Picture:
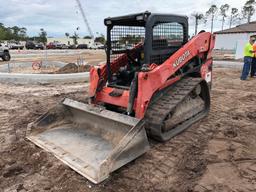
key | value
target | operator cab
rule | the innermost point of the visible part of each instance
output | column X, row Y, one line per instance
column 138, row 40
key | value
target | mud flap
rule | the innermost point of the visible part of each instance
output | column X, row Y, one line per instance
column 91, row 140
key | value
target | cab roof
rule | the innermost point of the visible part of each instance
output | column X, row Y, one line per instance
column 138, row 19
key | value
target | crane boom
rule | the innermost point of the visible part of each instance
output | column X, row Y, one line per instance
column 85, row 19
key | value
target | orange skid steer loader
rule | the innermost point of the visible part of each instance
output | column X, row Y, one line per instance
column 155, row 83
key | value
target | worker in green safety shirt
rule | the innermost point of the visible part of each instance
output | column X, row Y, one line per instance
column 248, row 56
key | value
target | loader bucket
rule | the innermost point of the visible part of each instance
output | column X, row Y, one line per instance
column 91, row 140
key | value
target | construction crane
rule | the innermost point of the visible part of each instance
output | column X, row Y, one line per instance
column 85, row 19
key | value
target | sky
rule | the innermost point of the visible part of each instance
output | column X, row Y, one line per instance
column 60, row 16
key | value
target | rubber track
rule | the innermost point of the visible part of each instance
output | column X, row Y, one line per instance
column 161, row 109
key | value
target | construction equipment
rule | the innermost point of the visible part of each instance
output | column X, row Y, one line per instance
column 155, row 83
column 85, row 19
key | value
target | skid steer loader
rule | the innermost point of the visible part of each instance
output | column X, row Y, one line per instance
column 155, row 83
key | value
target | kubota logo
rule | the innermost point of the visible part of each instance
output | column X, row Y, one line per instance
column 181, row 59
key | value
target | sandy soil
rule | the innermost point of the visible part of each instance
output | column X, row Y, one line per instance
column 216, row 154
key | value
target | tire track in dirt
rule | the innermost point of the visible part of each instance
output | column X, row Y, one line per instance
column 172, row 166
column 233, row 142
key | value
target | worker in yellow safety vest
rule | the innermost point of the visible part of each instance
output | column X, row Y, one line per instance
column 248, row 56
column 253, row 66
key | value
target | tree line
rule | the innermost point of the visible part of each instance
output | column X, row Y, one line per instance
column 225, row 12
column 20, row 34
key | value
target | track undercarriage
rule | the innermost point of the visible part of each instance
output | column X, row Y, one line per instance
column 177, row 108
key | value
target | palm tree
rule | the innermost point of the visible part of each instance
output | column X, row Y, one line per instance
column 234, row 14
column 67, row 35
column 223, row 12
column 212, row 13
column 43, row 36
column 198, row 17
column 75, row 37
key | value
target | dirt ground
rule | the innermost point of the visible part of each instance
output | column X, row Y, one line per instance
column 216, row 154
column 73, row 68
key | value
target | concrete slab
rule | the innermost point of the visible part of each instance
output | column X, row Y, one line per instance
column 17, row 78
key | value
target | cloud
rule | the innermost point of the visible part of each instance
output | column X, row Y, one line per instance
column 58, row 17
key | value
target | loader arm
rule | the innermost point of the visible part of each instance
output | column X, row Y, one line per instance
column 164, row 75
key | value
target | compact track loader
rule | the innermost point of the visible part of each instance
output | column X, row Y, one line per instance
column 155, row 83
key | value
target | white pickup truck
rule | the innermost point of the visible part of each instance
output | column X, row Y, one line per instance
column 4, row 53
column 95, row 45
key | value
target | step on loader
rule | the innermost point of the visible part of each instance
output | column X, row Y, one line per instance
column 155, row 83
